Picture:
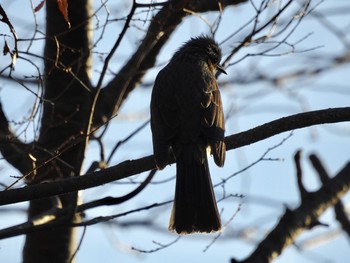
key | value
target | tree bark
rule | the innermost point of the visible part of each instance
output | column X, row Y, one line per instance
column 66, row 107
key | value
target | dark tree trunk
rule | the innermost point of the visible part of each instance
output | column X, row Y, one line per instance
column 66, row 109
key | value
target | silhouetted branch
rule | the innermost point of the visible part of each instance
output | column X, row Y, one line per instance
column 121, row 142
column 57, row 214
column 289, row 123
column 339, row 209
column 50, row 218
column 117, row 200
column 13, row 150
column 132, row 167
column 14, row 52
column 159, row 246
column 259, row 27
column 294, row 222
column 100, row 219
column 299, row 174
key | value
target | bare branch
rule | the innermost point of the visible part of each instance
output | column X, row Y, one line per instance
column 132, row 167
column 13, row 150
column 339, row 209
column 299, row 174
column 13, row 53
column 100, row 219
column 121, row 142
column 52, row 217
column 294, row 222
column 117, row 200
column 289, row 123
column 256, row 30
column 159, row 246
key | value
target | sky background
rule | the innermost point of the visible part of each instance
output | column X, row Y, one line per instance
column 268, row 186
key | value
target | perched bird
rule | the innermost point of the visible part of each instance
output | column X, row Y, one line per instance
column 187, row 119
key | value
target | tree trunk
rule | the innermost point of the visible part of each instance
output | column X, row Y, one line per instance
column 66, row 109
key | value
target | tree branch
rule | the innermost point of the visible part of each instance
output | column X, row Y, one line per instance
column 294, row 222
column 299, row 173
column 339, row 209
column 117, row 200
column 289, row 123
column 13, row 150
column 57, row 214
column 132, row 167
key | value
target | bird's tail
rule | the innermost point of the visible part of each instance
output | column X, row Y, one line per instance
column 194, row 208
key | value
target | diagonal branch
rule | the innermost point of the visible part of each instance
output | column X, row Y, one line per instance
column 12, row 149
column 294, row 222
column 339, row 209
column 57, row 214
column 13, row 53
column 289, row 123
column 132, row 167
column 158, row 33
column 117, row 200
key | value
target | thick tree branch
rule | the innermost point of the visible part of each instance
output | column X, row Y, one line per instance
column 13, row 150
column 57, row 215
column 289, row 123
column 339, row 209
column 296, row 221
column 132, row 167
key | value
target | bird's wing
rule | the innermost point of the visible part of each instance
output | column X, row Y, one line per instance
column 213, row 123
column 164, row 118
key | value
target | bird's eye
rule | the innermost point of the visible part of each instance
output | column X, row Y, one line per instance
column 213, row 55
column 214, row 59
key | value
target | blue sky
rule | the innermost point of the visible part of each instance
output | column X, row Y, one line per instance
column 268, row 186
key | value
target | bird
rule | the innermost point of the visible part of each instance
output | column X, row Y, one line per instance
column 187, row 124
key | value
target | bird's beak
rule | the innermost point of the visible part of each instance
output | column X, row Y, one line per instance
column 221, row 69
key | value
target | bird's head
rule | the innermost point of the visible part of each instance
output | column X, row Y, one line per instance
column 203, row 48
